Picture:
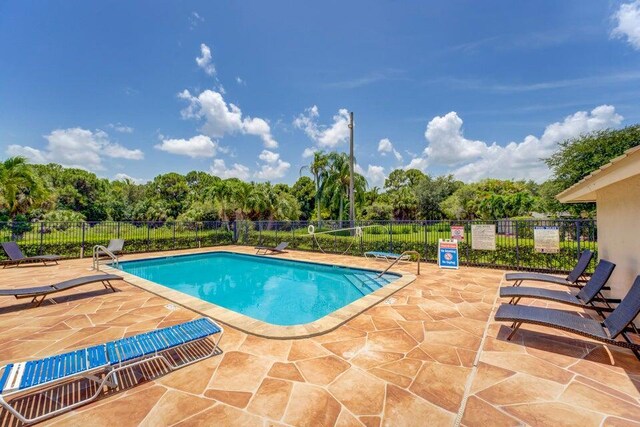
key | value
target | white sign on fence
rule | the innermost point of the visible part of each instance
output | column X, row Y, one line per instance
column 546, row 240
column 483, row 237
column 457, row 232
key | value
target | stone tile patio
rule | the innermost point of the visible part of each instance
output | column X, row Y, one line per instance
column 428, row 355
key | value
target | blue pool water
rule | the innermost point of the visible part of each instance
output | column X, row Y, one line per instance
column 273, row 290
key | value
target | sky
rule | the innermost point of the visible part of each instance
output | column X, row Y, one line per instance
column 251, row 89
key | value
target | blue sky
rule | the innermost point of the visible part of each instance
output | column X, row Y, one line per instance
column 247, row 89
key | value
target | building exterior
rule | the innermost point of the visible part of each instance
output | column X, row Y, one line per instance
column 615, row 188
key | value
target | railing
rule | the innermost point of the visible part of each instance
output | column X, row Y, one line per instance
column 400, row 259
column 97, row 250
column 514, row 238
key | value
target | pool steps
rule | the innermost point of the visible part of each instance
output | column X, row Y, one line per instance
column 366, row 282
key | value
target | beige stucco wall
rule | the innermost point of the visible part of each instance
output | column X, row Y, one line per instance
column 618, row 208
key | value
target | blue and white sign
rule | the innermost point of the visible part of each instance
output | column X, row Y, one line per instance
column 448, row 253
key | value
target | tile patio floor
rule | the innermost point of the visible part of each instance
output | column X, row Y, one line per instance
column 410, row 361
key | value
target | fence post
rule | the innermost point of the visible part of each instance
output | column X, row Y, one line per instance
column 148, row 237
column 578, row 232
column 41, row 237
column 118, row 228
column 426, row 238
column 517, row 247
column 174, row 235
column 390, row 236
column 83, row 242
column 197, row 237
column 235, row 232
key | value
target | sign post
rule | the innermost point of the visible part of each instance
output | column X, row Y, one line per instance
column 448, row 253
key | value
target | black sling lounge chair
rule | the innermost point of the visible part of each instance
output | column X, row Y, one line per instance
column 573, row 279
column 17, row 257
column 280, row 249
column 618, row 323
column 586, row 298
column 39, row 293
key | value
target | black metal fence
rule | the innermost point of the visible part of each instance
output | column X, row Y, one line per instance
column 514, row 243
column 76, row 239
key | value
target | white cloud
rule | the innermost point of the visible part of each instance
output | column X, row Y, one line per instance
column 206, row 61
column 309, row 152
column 240, row 81
column 386, row 146
column 194, row 20
column 197, row 146
column 221, row 118
column 124, row 176
column 375, row 175
column 119, row 127
column 77, row 147
column 273, row 167
column 419, row 163
column 259, row 127
column 33, row 154
column 628, row 23
column 474, row 160
column 219, row 168
column 447, row 145
column 275, row 170
column 325, row 136
column 269, row 156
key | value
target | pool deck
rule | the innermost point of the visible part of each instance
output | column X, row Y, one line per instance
column 430, row 354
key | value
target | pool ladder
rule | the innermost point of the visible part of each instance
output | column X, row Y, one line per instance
column 97, row 251
column 399, row 259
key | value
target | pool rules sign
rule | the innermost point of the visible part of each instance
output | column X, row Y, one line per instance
column 546, row 240
column 447, row 253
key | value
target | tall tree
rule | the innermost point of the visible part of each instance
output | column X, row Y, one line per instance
column 578, row 157
column 305, row 192
column 431, row 192
column 335, row 187
column 20, row 187
column 318, row 168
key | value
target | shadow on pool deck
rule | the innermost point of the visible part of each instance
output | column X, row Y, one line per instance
column 410, row 362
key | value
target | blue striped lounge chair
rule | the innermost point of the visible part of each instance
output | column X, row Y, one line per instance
column 387, row 256
column 100, row 364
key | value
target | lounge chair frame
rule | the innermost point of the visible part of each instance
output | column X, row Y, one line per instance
column 109, row 370
column 24, row 259
column 576, row 278
column 264, row 250
column 618, row 323
column 589, row 297
column 40, row 293
column 387, row 256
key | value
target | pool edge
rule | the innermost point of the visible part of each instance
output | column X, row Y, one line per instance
column 263, row 329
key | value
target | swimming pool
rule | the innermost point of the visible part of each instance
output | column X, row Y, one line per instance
column 277, row 291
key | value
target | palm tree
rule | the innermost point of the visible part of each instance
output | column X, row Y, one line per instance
column 336, row 183
column 20, row 187
column 318, row 169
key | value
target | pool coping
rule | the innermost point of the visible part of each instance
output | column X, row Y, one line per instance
column 260, row 328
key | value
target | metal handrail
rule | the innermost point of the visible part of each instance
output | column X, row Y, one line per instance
column 96, row 256
column 399, row 259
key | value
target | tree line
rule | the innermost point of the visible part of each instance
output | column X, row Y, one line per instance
column 51, row 192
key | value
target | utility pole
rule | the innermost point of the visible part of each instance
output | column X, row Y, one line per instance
column 352, row 205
